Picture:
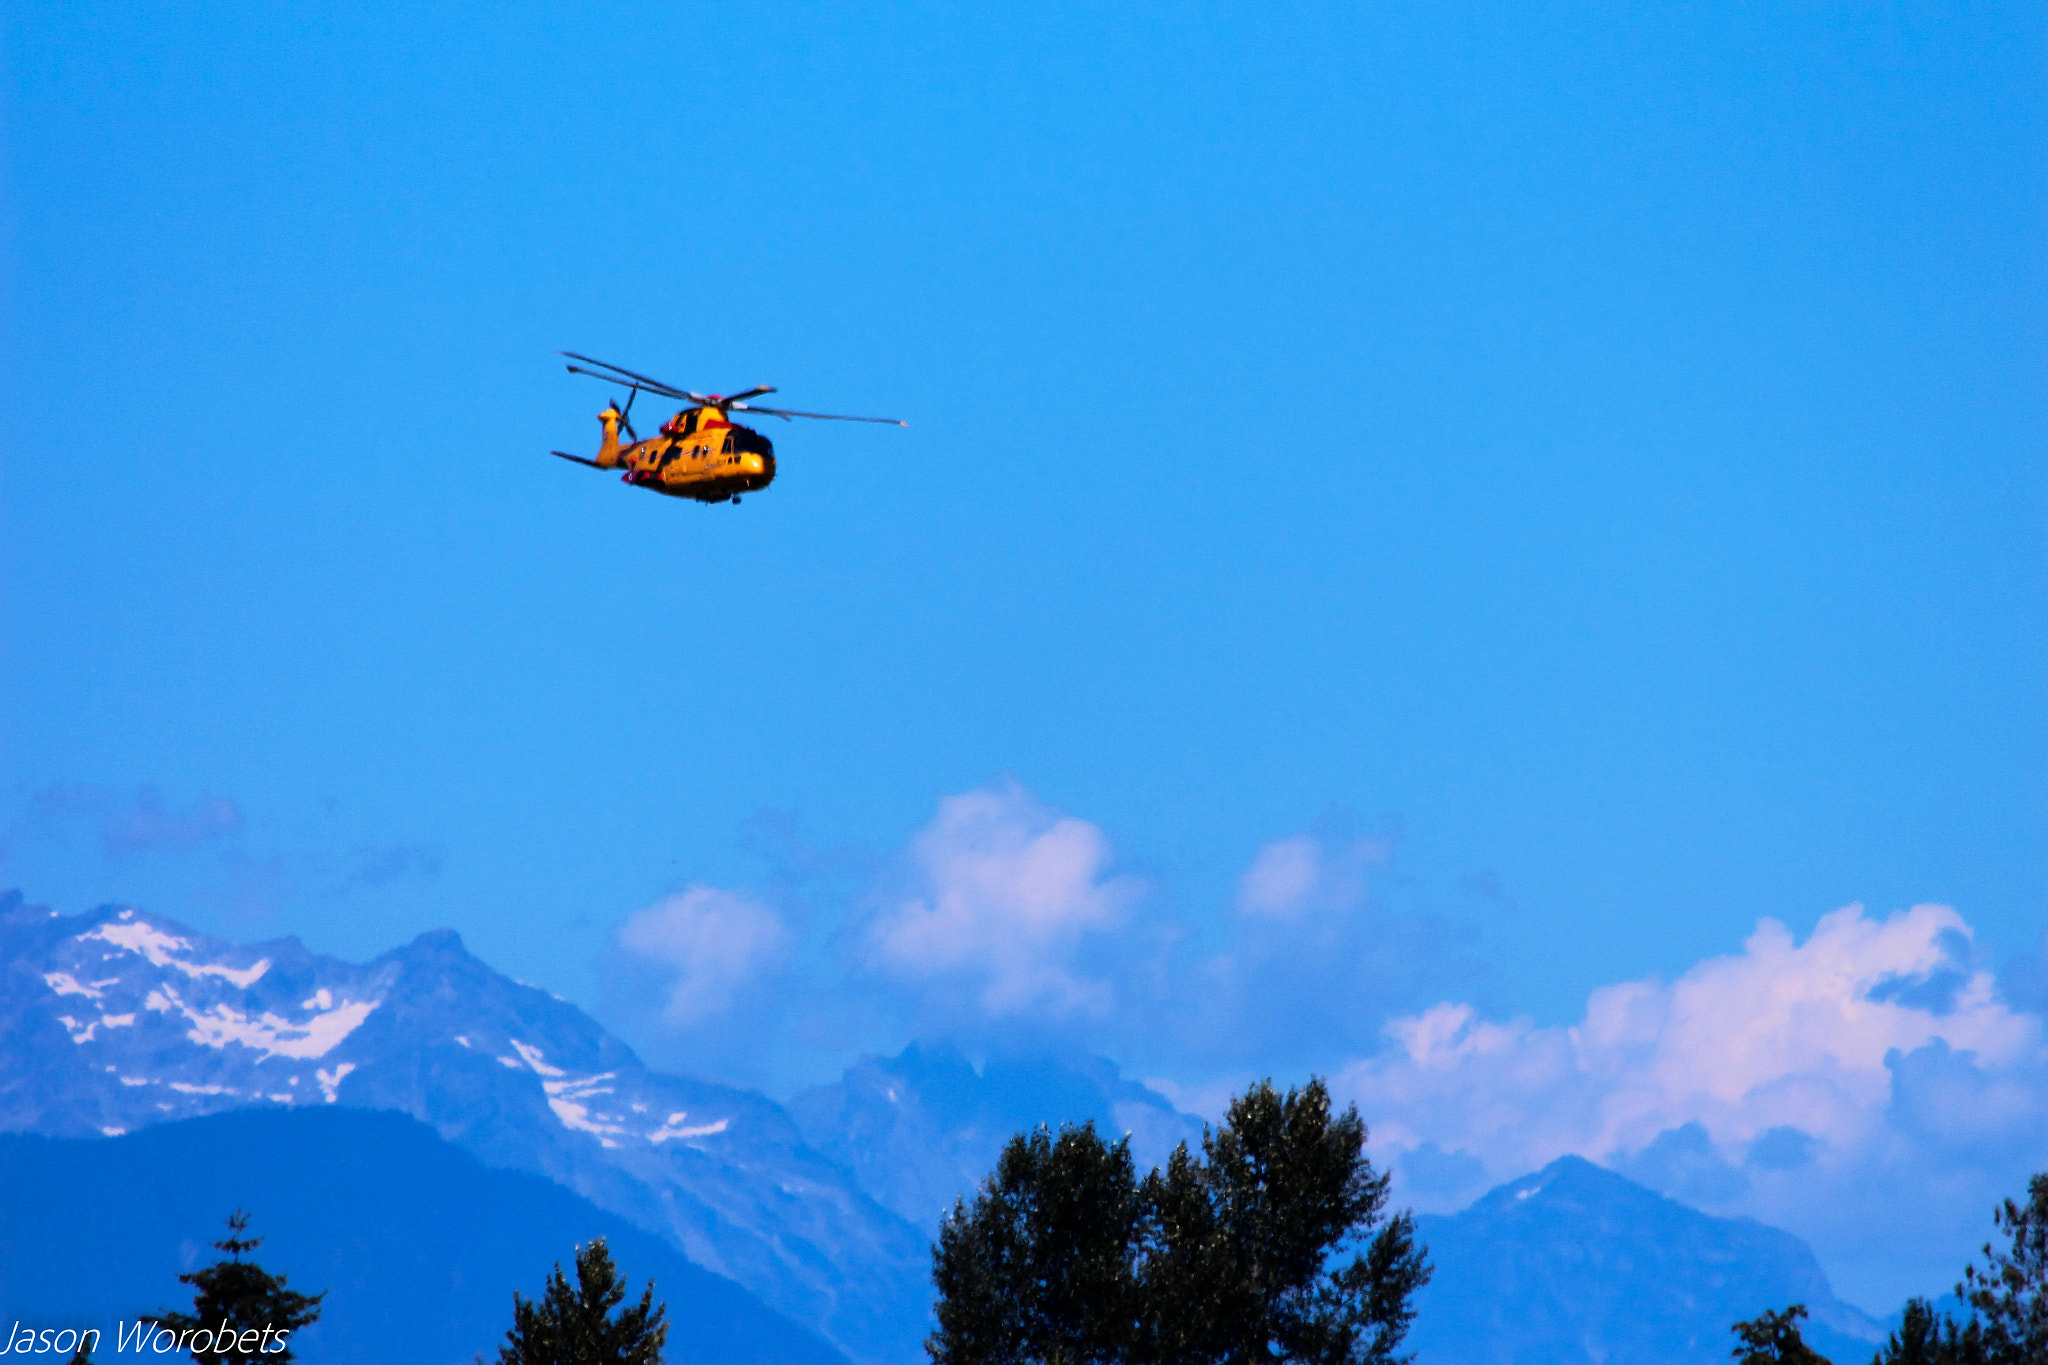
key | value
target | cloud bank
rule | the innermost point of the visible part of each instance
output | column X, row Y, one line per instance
column 1782, row 1035
column 1873, row 1088
column 1869, row 1089
column 1006, row 925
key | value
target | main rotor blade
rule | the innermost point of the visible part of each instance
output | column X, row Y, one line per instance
column 647, row 384
column 577, row 458
column 619, row 373
column 621, row 369
column 786, row 413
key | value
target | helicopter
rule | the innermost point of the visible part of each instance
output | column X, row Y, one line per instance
column 701, row 453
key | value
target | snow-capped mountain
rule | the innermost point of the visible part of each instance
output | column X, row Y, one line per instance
column 117, row 1019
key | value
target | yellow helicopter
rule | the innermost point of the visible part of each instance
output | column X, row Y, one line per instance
column 701, row 453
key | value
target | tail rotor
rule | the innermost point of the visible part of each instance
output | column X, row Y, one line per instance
column 626, row 414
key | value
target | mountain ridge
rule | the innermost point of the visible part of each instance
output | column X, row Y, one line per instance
column 116, row 1019
column 1579, row 1265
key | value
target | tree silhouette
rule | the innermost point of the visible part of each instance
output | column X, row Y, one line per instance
column 1924, row 1339
column 2009, row 1296
column 573, row 1324
column 240, row 1312
column 1272, row 1246
column 1772, row 1338
column 1043, row 1267
column 1268, row 1246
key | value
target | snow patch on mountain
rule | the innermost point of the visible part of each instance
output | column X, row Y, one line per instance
column 572, row 1101
column 330, row 1081
column 674, row 1127
column 138, row 936
column 221, row 1024
column 63, row 983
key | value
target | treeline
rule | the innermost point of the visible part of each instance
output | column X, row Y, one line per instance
column 243, row 1314
column 1271, row 1247
column 1271, row 1244
column 2005, row 1300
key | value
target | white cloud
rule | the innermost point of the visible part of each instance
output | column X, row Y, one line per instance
column 1787, row 1081
column 1010, row 891
column 1783, row 1034
column 1301, row 874
column 707, row 943
column 1281, row 877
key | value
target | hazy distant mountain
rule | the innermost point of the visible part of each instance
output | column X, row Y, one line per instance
column 923, row 1128
column 418, row 1245
column 1573, row 1265
column 118, row 1019
column 1576, row 1265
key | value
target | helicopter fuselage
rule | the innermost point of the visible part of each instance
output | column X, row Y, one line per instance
column 699, row 455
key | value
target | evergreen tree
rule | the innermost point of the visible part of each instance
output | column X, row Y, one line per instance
column 1268, row 1247
column 1265, row 1250
column 573, row 1325
column 1772, row 1338
column 1918, row 1340
column 1923, row 1339
column 2008, row 1300
column 2009, row 1297
column 240, row 1311
column 1042, row 1266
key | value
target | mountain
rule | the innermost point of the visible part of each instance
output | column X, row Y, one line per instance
column 1576, row 1265
column 418, row 1245
column 115, row 1020
column 923, row 1128
column 117, row 1028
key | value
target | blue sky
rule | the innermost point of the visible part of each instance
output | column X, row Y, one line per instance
column 1580, row 464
